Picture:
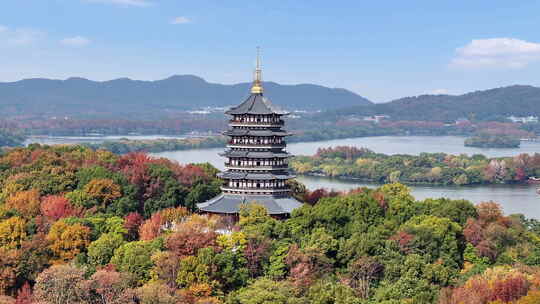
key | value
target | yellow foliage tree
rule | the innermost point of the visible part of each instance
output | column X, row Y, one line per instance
column 26, row 202
column 533, row 297
column 12, row 232
column 67, row 241
column 103, row 190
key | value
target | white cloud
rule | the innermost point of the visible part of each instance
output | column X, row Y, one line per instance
column 3, row 28
column 439, row 92
column 77, row 41
column 124, row 2
column 497, row 53
column 180, row 20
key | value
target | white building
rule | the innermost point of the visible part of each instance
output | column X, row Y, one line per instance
column 524, row 119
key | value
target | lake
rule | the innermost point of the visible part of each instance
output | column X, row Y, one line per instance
column 59, row 140
column 513, row 198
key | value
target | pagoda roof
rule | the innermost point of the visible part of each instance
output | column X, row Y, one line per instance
column 253, row 176
column 251, row 154
column 231, row 203
column 243, row 132
column 257, row 104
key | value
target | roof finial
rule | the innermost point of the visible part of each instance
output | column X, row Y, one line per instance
column 257, row 82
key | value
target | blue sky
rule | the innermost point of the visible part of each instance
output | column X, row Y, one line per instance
column 379, row 49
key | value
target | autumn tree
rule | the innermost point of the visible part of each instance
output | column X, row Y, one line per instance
column 362, row 275
column 67, row 241
column 9, row 266
column 12, row 232
column 56, row 207
column 26, row 202
column 132, row 222
column 103, row 190
column 61, row 284
column 24, row 295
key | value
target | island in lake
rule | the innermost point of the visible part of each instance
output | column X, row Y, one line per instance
column 427, row 168
column 485, row 140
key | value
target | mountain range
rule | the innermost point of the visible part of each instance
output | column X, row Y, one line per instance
column 135, row 98
column 493, row 104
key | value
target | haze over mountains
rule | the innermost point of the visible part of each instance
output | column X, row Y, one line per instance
column 135, row 99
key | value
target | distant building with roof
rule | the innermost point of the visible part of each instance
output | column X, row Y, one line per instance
column 256, row 169
column 524, row 119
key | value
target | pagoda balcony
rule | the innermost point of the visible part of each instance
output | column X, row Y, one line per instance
column 231, row 144
column 256, row 167
column 271, row 124
column 254, row 190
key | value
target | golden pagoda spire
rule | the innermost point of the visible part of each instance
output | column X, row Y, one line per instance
column 257, row 82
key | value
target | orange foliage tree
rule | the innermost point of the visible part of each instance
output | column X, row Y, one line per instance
column 67, row 241
column 26, row 202
column 103, row 190
column 501, row 283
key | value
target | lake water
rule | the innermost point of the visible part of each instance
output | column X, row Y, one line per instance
column 513, row 198
column 57, row 140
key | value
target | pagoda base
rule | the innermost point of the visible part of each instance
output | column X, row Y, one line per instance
column 231, row 203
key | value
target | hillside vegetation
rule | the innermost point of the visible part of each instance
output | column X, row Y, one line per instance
column 83, row 226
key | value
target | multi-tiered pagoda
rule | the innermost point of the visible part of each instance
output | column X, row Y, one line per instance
column 256, row 169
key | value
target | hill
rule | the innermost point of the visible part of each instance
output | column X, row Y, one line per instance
column 493, row 104
column 125, row 97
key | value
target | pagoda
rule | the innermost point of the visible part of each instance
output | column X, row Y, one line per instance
column 256, row 170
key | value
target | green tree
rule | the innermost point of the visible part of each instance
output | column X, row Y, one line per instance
column 102, row 250
column 136, row 258
column 266, row 291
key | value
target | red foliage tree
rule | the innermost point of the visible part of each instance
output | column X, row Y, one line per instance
column 473, row 231
column 509, row 289
column 151, row 228
column 306, row 267
column 24, row 296
column 403, row 239
column 56, row 207
column 189, row 241
column 132, row 222
column 256, row 251
column 489, row 211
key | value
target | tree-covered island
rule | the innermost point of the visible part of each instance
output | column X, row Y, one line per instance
column 426, row 168
column 485, row 140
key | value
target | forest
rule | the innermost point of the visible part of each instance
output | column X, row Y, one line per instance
column 426, row 168
column 88, row 226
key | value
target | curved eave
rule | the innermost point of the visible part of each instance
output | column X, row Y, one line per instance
column 254, row 176
column 250, row 154
column 256, row 104
column 231, row 203
column 262, row 133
